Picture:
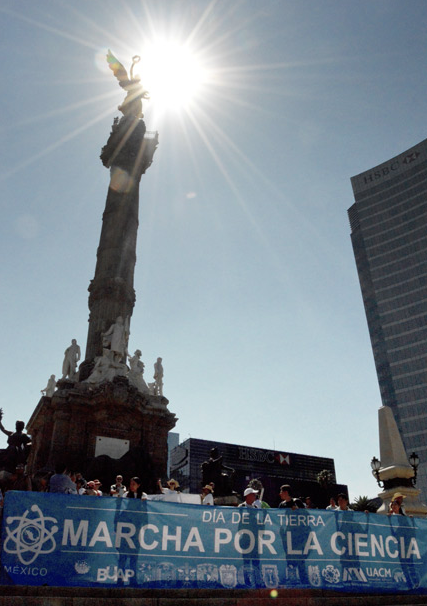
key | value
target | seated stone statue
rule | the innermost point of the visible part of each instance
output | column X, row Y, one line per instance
column 19, row 444
column 50, row 387
column 106, row 368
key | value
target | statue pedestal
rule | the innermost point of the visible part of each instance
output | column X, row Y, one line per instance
column 395, row 472
column 67, row 427
column 411, row 504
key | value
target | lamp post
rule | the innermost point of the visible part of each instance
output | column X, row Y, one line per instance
column 414, row 460
column 376, row 465
column 393, row 470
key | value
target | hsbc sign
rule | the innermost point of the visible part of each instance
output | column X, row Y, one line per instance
column 394, row 166
column 263, row 456
column 283, row 459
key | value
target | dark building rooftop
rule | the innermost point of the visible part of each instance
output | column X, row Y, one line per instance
column 273, row 468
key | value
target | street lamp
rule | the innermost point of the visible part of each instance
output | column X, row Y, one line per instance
column 376, row 464
column 414, row 460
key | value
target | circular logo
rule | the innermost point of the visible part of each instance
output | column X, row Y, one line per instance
column 30, row 535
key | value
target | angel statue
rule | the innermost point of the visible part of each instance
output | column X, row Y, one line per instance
column 132, row 105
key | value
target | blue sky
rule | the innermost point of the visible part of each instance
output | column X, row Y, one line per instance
column 245, row 280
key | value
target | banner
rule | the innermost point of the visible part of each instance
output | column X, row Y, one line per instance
column 68, row 540
column 176, row 497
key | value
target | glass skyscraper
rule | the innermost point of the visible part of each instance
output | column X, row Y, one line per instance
column 389, row 236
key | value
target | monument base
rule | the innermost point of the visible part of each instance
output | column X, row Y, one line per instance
column 80, row 420
column 396, row 472
column 412, row 503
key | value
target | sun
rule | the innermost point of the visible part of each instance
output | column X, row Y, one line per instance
column 172, row 73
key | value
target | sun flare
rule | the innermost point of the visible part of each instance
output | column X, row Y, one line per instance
column 172, row 74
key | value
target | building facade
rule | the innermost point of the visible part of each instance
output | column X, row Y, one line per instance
column 272, row 468
column 389, row 236
column 173, row 442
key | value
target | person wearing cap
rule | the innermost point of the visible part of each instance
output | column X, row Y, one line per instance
column 207, row 496
column 250, row 495
column 92, row 488
column 172, row 486
column 398, row 498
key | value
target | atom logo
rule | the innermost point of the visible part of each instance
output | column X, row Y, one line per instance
column 30, row 537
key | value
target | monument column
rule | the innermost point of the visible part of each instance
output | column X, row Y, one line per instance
column 128, row 154
column 92, row 417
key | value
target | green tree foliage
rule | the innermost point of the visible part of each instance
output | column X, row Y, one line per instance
column 325, row 478
column 363, row 503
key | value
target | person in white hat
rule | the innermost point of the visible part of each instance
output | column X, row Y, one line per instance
column 398, row 498
column 172, row 486
column 207, row 495
column 250, row 495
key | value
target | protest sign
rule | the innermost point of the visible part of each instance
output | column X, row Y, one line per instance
column 67, row 540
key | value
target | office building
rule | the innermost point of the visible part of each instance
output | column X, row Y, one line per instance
column 173, row 442
column 389, row 235
column 272, row 468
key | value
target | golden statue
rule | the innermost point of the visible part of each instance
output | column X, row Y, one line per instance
column 132, row 105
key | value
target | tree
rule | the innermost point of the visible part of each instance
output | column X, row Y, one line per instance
column 325, row 478
column 363, row 503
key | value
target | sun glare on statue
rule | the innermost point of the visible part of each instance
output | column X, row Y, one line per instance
column 172, row 75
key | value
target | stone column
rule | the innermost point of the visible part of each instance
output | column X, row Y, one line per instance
column 111, row 291
column 128, row 153
column 395, row 471
column 59, row 449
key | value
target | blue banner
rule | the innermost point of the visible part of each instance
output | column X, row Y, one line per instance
column 67, row 540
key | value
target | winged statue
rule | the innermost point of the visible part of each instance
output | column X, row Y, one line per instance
column 132, row 105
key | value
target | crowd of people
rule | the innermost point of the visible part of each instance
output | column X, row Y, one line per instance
column 253, row 499
column 65, row 481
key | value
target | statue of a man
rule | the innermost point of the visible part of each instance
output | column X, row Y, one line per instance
column 116, row 338
column 135, row 374
column 72, row 356
column 19, row 444
column 158, row 377
column 50, row 387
